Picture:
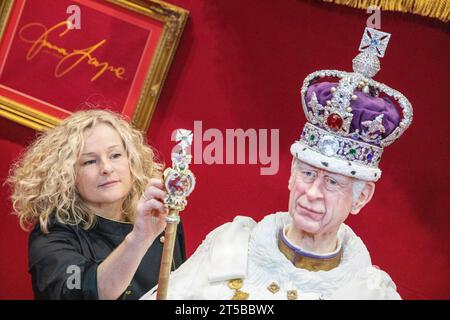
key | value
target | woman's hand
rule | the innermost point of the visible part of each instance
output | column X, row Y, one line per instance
column 149, row 223
column 150, row 212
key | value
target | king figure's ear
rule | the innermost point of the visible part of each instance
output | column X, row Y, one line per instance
column 364, row 197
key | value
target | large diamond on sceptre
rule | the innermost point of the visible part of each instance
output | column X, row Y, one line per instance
column 179, row 182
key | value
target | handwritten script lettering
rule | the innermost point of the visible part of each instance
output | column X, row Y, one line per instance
column 70, row 58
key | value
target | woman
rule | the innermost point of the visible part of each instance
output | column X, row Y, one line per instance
column 93, row 192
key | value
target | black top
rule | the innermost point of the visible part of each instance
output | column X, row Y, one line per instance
column 56, row 259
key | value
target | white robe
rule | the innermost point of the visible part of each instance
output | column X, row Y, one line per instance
column 248, row 250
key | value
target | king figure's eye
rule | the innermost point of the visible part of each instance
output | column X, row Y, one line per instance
column 332, row 181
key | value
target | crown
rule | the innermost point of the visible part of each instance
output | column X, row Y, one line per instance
column 353, row 118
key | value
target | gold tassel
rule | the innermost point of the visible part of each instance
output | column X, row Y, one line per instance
column 439, row 9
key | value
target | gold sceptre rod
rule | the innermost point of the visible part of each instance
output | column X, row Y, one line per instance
column 179, row 182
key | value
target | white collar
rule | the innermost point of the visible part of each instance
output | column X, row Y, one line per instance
column 338, row 247
column 267, row 264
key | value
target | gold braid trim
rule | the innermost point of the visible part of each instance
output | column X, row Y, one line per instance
column 439, row 9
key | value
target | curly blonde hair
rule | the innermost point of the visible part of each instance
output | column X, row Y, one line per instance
column 43, row 179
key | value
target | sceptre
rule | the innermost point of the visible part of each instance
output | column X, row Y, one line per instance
column 179, row 182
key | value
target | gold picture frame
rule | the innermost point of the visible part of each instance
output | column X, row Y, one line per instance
column 40, row 116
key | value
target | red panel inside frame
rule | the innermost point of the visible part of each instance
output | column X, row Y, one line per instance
column 53, row 69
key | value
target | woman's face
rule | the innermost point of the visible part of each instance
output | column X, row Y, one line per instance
column 103, row 177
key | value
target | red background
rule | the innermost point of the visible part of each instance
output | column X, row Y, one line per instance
column 240, row 64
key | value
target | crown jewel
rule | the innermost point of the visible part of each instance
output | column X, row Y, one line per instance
column 355, row 117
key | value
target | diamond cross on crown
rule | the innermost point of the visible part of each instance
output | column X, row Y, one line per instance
column 375, row 41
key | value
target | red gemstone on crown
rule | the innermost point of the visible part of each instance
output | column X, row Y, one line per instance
column 334, row 121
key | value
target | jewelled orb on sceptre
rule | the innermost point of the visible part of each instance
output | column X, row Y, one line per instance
column 179, row 181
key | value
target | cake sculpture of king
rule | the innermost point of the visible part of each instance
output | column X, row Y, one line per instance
column 309, row 252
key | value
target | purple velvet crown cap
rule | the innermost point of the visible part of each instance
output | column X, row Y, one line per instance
column 364, row 108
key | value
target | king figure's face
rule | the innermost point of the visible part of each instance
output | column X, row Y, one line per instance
column 319, row 200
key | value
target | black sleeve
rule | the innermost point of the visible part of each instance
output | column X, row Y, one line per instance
column 57, row 267
column 179, row 254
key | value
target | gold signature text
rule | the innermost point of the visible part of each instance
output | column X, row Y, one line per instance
column 70, row 58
